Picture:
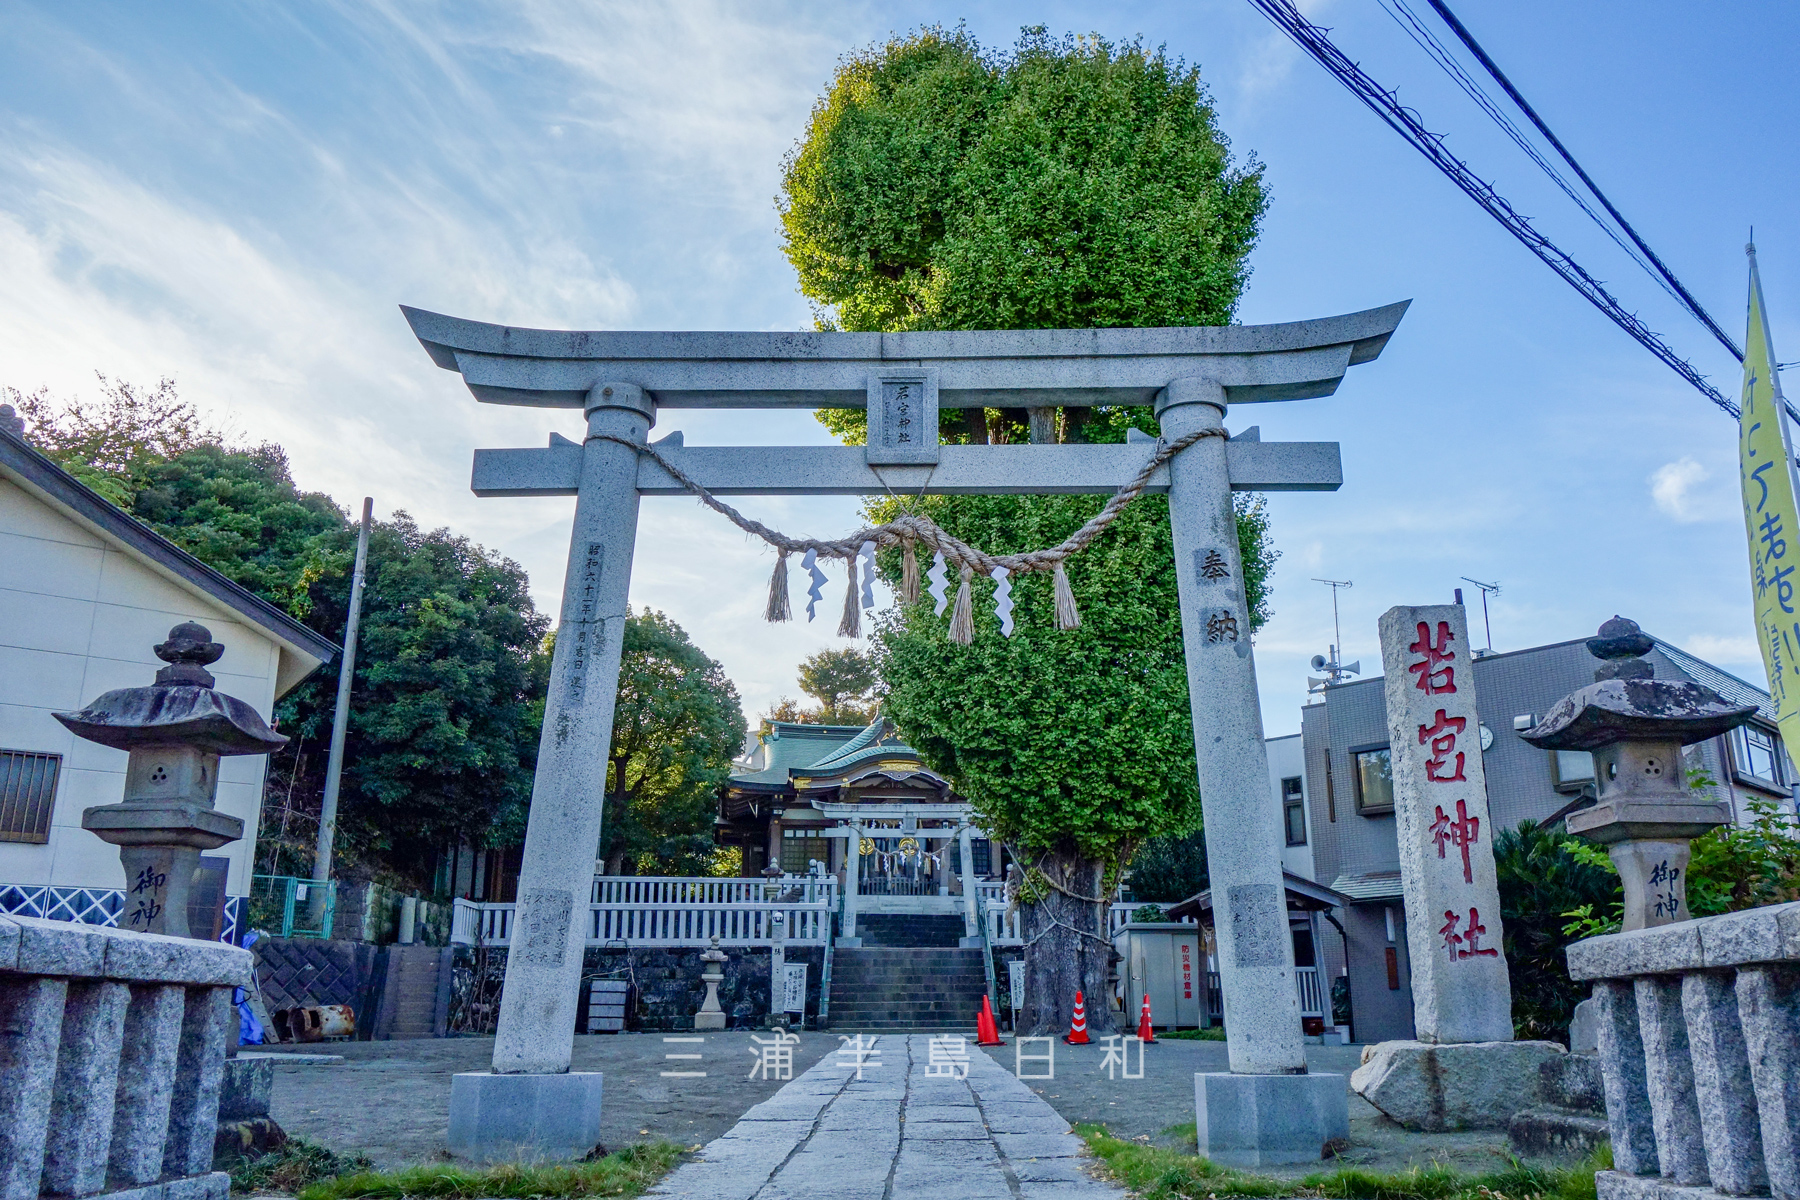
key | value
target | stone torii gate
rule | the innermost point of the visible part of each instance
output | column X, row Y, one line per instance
column 620, row 379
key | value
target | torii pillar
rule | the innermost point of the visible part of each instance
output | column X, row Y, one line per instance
column 1267, row 1109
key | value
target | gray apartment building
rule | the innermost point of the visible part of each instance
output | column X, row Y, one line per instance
column 1349, row 796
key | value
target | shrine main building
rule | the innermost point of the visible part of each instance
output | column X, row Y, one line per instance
column 810, row 799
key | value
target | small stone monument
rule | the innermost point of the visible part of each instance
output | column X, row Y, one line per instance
column 1465, row 1071
column 1636, row 725
column 175, row 731
column 711, row 1016
column 777, row 963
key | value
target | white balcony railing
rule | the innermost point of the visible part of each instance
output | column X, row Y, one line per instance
column 1312, row 997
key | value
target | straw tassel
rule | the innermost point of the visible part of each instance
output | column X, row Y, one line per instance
column 909, row 573
column 1067, row 615
column 851, row 625
column 962, row 616
column 778, row 593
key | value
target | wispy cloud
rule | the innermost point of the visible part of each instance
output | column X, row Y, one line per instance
column 545, row 165
column 1736, row 651
column 1679, row 490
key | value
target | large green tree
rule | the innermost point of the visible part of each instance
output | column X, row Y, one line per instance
column 447, row 702
column 450, row 678
column 1062, row 184
column 677, row 727
column 844, row 684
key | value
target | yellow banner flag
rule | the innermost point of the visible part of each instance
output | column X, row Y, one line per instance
column 1766, row 462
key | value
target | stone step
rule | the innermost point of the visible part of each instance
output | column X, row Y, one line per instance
column 973, row 979
column 413, row 973
column 921, row 930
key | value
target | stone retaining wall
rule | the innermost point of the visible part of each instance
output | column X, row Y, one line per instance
column 370, row 912
column 669, row 989
column 306, row 972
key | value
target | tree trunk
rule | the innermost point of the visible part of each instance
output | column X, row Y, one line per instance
column 978, row 426
column 616, row 805
column 1066, row 949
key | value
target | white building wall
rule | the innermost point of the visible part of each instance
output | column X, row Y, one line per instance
column 1287, row 760
column 78, row 617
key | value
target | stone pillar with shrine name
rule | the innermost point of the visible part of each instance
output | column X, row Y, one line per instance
column 1465, row 1070
column 1460, row 989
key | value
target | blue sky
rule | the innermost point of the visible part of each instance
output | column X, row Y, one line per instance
column 239, row 196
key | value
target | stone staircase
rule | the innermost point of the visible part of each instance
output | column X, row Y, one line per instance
column 412, row 991
column 893, row 930
column 880, row 988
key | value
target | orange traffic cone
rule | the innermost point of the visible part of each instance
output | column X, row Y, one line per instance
column 1077, row 1035
column 987, row 1033
column 1145, row 1033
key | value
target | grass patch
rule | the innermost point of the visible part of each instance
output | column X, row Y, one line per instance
column 1192, row 1035
column 1156, row 1173
column 627, row 1172
column 297, row 1164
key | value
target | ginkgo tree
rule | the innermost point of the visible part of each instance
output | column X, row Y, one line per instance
column 1068, row 183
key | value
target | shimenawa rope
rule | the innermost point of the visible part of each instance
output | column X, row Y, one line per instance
column 911, row 528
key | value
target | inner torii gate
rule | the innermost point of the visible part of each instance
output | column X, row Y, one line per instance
column 620, row 379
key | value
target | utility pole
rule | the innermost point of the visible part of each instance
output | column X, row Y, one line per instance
column 340, row 721
column 1337, row 631
column 1485, row 589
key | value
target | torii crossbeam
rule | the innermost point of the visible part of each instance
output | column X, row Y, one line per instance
column 619, row 379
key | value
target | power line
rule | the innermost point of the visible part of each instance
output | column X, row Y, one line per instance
column 1411, row 25
column 1673, row 285
column 1404, row 121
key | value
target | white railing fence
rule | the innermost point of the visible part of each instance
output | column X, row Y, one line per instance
column 740, row 924
column 744, row 923
column 677, row 889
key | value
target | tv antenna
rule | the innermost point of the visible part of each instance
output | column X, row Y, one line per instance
column 1486, row 588
column 1334, row 669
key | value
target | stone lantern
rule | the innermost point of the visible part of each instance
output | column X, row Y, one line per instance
column 1636, row 725
column 175, row 731
column 711, row 1016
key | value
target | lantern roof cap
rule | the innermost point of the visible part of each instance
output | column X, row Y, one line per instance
column 1627, row 703
column 179, row 709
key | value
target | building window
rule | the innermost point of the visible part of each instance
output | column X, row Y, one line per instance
column 1757, row 758
column 798, row 849
column 1374, row 780
column 1571, row 770
column 27, row 795
column 981, row 852
column 1293, row 809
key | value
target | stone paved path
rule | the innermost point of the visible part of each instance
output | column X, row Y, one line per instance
column 896, row 1132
